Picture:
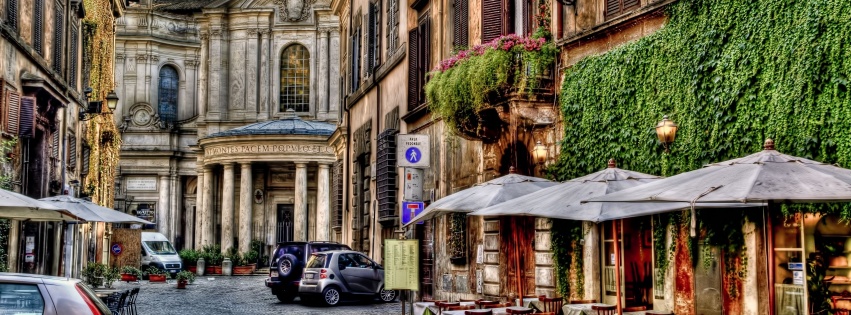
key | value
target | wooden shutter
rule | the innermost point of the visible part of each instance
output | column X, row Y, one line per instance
column 370, row 39
column 460, row 23
column 12, row 13
column 492, row 19
column 376, row 36
column 27, row 117
column 413, row 62
column 13, row 112
column 84, row 168
column 54, row 143
column 614, row 8
column 38, row 27
column 424, row 57
column 73, row 55
column 72, row 151
column 629, row 5
column 58, row 33
column 527, row 17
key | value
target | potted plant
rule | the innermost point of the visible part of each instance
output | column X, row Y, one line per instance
column 156, row 275
column 240, row 265
column 183, row 278
column 213, row 259
column 190, row 259
column 250, row 258
column 110, row 276
column 93, row 274
column 130, row 273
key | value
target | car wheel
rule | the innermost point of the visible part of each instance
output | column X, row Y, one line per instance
column 387, row 295
column 285, row 297
column 331, row 296
column 286, row 265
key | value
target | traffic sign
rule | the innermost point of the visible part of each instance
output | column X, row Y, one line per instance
column 116, row 249
column 412, row 150
column 411, row 209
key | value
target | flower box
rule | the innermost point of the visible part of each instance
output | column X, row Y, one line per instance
column 128, row 277
column 243, row 270
column 213, row 270
column 156, row 278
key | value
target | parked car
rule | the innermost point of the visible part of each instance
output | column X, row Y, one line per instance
column 36, row 294
column 333, row 275
column 287, row 263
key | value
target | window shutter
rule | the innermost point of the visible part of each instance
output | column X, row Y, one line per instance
column 492, row 20
column 84, row 169
column 460, row 22
column 72, row 60
column 376, row 36
column 527, row 17
column 370, row 39
column 38, row 27
column 54, row 143
column 12, row 13
column 72, row 151
column 392, row 26
column 424, row 56
column 27, row 118
column 58, row 32
column 630, row 4
column 13, row 112
column 337, row 194
column 613, row 8
column 413, row 49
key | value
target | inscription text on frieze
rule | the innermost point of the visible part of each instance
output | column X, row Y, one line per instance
column 268, row 148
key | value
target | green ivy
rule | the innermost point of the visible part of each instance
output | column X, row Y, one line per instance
column 6, row 146
column 568, row 257
column 731, row 73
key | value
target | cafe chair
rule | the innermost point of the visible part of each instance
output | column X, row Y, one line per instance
column 604, row 310
column 500, row 305
column 433, row 301
column 441, row 306
column 551, row 304
column 635, row 308
column 545, row 313
column 479, row 312
column 461, row 308
column 485, row 303
column 659, row 312
column 130, row 306
column 581, row 301
column 513, row 311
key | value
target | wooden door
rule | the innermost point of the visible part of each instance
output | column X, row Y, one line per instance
column 517, row 235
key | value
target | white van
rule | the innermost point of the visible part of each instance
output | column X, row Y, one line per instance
column 158, row 252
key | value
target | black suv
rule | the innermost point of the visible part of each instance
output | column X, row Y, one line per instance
column 288, row 262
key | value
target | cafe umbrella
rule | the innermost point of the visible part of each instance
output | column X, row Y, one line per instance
column 485, row 194
column 89, row 211
column 766, row 177
column 20, row 207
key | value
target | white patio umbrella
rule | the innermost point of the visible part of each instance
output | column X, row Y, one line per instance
column 485, row 194
column 89, row 211
column 20, row 207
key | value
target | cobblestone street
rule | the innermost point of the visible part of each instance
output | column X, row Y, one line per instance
column 235, row 295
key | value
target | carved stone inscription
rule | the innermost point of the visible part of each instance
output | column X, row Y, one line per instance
column 269, row 148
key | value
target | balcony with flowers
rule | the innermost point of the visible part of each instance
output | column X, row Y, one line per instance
column 477, row 91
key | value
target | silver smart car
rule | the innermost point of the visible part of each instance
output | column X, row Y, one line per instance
column 331, row 275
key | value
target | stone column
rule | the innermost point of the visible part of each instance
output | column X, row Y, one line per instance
column 202, row 75
column 174, row 207
column 323, row 202
column 245, row 198
column 163, row 206
column 207, row 207
column 300, row 212
column 265, row 96
column 227, row 207
column 324, row 78
column 198, row 214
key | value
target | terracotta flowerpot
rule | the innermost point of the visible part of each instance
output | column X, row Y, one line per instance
column 156, row 278
column 242, row 270
column 253, row 267
column 181, row 284
column 213, row 270
column 128, row 277
column 192, row 269
column 218, row 269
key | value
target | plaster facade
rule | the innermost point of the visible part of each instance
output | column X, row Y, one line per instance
column 208, row 184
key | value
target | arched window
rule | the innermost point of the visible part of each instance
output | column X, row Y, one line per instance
column 295, row 79
column 168, row 94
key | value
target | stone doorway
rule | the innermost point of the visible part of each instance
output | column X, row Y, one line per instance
column 284, row 226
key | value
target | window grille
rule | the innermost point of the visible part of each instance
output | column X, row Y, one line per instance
column 386, row 176
column 295, row 79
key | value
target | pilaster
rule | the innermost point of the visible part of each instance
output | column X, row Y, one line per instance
column 323, row 202
column 300, row 211
column 245, row 198
column 227, row 206
column 206, row 208
column 163, row 206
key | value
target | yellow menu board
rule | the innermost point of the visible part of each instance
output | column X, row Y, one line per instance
column 401, row 264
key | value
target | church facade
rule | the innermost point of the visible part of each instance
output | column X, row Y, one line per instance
column 229, row 118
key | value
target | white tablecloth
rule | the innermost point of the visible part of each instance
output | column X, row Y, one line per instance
column 585, row 309
column 420, row 307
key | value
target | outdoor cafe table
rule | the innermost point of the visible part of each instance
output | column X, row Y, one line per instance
column 420, row 307
column 585, row 309
column 496, row 311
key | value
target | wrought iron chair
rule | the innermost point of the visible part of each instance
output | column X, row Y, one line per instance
column 130, row 306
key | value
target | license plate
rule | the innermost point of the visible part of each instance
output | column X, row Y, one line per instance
column 308, row 276
column 273, row 274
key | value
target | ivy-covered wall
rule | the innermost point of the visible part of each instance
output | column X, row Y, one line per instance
column 731, row 73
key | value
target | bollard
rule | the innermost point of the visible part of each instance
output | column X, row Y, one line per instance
column 227, row 267
column 199, row 267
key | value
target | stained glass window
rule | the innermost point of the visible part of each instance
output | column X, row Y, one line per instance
column 295, row 79
column 168, row 94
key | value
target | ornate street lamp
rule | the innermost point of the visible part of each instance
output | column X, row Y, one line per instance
column 666, row 130
column 111, row 100
column 94, row 108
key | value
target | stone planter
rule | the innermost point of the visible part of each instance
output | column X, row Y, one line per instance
column 156, row 278
column 227, row 267
column 200, row 267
